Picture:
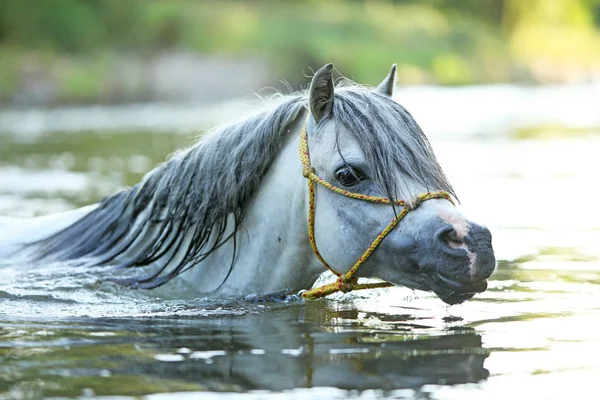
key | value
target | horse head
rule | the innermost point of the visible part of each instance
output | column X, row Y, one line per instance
column 366, row 144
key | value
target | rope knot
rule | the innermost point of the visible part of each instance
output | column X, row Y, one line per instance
column 307, row 171
column 347, row 284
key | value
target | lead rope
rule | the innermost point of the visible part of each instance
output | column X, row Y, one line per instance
column 348, row 282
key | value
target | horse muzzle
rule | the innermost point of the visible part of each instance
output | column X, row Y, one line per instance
column 459, row 263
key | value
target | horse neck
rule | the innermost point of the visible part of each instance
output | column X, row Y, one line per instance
column 273, row 252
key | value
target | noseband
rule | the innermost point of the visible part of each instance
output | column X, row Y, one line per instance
column 348, row 282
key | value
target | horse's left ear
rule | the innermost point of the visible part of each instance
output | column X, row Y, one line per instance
column 387, row 86
column 320, row 97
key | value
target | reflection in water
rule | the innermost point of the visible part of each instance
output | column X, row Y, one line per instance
column 273, row 348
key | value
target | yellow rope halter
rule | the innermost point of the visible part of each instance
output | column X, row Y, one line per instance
column 348, row 282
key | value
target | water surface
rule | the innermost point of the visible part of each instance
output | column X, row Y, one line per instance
column 66, row 333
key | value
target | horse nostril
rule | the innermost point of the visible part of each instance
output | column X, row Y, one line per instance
column 450, row 237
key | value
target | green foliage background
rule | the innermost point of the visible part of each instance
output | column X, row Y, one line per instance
column 434, row 41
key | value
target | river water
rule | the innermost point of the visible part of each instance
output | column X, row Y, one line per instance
column 523, row 161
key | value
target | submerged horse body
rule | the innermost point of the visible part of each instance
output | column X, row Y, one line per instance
column 229, row 214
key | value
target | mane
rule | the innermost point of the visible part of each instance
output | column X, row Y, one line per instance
column 200, row 191
column 194, row 193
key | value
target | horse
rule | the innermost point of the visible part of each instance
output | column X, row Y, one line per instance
column 228, row 214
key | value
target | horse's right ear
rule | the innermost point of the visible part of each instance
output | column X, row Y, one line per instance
column 387, row 86
column 320, row 97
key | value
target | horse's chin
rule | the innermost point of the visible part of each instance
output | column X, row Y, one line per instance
column 455, row 292
column 452, row 297
column 448, row 290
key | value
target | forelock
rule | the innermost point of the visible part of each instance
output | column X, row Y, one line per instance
column 391, row 140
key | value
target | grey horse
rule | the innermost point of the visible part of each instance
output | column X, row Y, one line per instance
column 228, row 215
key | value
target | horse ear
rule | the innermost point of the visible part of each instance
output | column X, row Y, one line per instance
column 387, row 86
column 320, row 97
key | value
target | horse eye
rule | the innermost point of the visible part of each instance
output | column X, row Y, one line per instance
column 348, row 176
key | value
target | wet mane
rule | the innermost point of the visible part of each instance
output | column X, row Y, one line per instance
column 185, row 205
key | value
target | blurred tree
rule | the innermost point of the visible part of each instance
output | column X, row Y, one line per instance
column 552, row 33
column 67, row 25
column 433, row 41
column 490, row 11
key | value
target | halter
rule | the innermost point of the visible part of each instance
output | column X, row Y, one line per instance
column 348, row 282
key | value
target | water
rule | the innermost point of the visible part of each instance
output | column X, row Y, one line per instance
column 533, row 334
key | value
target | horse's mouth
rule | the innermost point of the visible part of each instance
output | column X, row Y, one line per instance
column 449, row 290
column 464, row 287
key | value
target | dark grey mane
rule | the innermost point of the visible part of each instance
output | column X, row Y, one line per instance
column 197, row 192
column 193, row 193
